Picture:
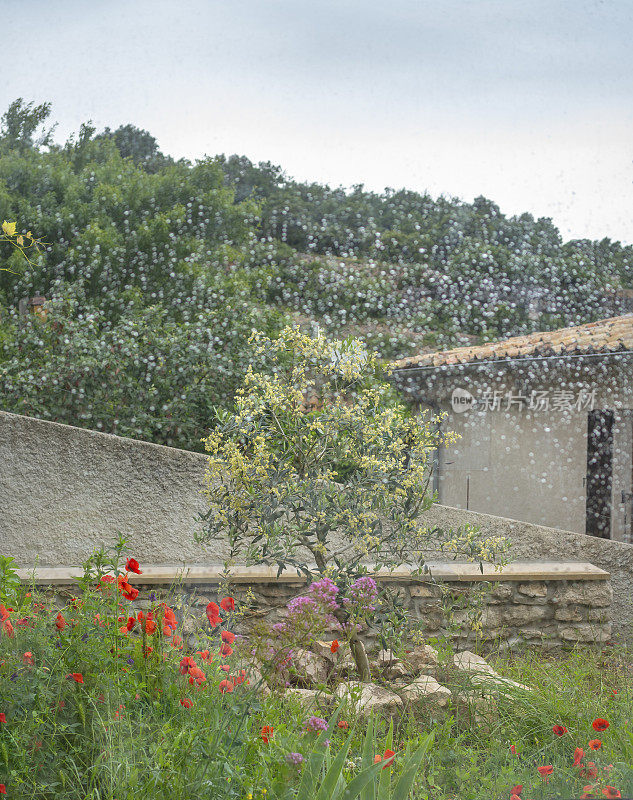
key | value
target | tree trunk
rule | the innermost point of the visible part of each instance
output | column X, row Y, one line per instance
column 356, row 646
column 360, row 657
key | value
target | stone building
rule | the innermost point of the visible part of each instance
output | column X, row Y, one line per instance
column 546, row 426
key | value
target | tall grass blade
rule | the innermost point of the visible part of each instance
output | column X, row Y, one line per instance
column 405, row 782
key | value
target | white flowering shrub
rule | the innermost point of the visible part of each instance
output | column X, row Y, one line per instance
column 214, row 248
column 141, row 375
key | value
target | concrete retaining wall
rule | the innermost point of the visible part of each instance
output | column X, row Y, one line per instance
column 65, row 491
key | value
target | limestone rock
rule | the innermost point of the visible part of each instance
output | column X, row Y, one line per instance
column 256, row 681
column 397, row 671
column 590, row 593
column 426, row 690
column 368, row 697
column 309, row 668
column 324, row 649
column 585, row 632
column 533, row 589
column 422, row 658
column 193, row 623
column 386, row 658
column 425, row 590
column 343, row 661
column 483, row 675
column 466, row 661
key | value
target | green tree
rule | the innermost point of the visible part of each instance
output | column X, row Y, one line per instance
column 20, row 123
column 319, row 469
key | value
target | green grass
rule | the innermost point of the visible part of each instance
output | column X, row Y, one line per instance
column 123, row 733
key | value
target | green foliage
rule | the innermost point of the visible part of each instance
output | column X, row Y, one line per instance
column 319, row 469
column 141, row 375
column 122, row 731
column 226, row 243
column 9, row 580
column 20, row 122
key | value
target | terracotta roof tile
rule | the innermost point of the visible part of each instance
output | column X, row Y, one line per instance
column 609, row 335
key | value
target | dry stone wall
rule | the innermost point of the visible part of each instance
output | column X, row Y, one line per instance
column 536, row 604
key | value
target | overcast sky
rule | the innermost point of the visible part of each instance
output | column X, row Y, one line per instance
column 527, row 102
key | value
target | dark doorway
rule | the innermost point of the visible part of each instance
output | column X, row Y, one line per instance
column 599, row 473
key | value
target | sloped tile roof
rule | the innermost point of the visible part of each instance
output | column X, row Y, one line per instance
column 606, row 335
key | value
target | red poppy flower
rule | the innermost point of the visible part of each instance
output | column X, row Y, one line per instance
column 595, row 744
column 186, row 702
column 169, row 619
column 129, row 592
column 611, row 792
column 27, row 658
column 77, row 677
column 204, row 655
column 590, row 771
column 342, row 724
column 578, row 756
column 133, row 566
column 60, row 622
column 334, row 646
column 150, row 623
column 213, row 612
column 228, row 637
column 267, row 733
column 131, row 622
column 517, row 789
column 599, row 724
column 544, row 771
column 226, row 650
column 387, row 758
column 4, row 613
column 3, row 717
column 225, row 686
column 239, row 679
column 7, row 628
column 559, row 730
column 225, row 668
column 228, row 604
column 513, row 750
column 3, row 788
column 187, row 664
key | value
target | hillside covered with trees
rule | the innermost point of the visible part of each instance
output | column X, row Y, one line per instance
column 156, row 271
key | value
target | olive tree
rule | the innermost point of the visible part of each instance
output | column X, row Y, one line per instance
column 319, row 468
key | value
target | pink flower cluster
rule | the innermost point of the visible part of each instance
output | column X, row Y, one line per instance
column 361, row 597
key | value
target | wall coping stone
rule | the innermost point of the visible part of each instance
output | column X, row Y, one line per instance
column 156, row 574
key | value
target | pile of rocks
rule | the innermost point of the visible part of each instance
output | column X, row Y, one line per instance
column 467, row 685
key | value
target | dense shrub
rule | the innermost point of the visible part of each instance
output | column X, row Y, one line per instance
column 218, row 243
column 142, row 374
